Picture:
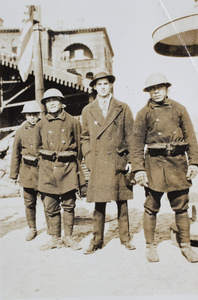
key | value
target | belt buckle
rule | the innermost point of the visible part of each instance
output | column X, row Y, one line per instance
column 168, row 149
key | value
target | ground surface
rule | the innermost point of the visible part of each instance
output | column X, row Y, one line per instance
column 110, row 273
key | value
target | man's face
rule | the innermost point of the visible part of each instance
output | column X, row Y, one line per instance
column 103, row 87
column 158, row 92
column 32, row 118
column 53, row 105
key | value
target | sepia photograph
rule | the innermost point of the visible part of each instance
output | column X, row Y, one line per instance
column 98, row 149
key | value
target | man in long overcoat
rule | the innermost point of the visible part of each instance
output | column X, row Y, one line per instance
column 164, row 126
column 57, row 144
column 106, row 144
column 24, row 164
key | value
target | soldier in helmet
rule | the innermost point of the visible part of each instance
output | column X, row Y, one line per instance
column 164, row 126
column 57, row 144
column 24, row 164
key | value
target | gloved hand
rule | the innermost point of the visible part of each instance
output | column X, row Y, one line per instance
column 192, row 172
column 141, row 178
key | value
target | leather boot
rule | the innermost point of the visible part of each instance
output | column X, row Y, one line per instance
column 183, row 224
column 151, row 253
column 68, row 223
column 55, row 242
column 187, row 251
column 31, row 220
column 149, row 224
column 49, row 231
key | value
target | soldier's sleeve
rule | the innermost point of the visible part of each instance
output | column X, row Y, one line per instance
column 77, row 135
column 16, row 156
column 37, row 139
column 128, row 130
column 138, row 141
column 85, row 136
column 189, row 137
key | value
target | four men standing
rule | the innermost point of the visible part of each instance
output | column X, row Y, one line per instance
column 113, row 145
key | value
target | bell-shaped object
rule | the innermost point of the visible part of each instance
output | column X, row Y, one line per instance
column 178, row 38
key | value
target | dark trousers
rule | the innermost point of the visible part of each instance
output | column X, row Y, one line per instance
column 53, row 204
column 179, row 204
column 99, row 222
column 30, row 200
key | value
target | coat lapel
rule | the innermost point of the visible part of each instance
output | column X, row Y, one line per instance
column 114, row 110
column 96, row 112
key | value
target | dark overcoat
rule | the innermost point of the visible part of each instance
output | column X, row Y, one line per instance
column 167, row 123
column 23, row 145
column 106, row 146
column 58, row 134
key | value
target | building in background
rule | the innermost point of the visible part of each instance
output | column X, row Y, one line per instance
column 70, row 59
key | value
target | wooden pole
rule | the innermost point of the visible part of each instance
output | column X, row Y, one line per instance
column 38, row 59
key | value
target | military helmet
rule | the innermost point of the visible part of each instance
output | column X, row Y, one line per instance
column 52, row 93
column 31, row 107
column 155, row 79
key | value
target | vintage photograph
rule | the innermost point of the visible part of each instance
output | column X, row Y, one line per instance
column 98, row 149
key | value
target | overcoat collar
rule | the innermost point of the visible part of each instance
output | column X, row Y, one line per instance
column 115, row 109
column 154, row 104
column 61, row 117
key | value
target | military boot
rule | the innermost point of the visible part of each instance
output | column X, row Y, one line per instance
column 31, row 220
column 151, row 253
column 31, row 234
column 55, row 242
column 70, row 243
column 189, row 254
column 68, row 223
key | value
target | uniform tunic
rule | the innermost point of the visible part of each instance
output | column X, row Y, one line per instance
column 23, row 145
column 164, row 123
column 58, row 134
column 106, row 146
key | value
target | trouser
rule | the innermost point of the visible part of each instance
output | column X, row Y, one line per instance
column 53, row 204
column 99, row 222
column 179, row 204
column 30, row 199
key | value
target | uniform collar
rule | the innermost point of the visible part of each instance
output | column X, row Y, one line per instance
column 28, row 125
column 153, row 104
column 61, row 117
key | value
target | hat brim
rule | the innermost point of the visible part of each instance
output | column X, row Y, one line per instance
column 44, row 99
column 167, row 84
column 111, row 79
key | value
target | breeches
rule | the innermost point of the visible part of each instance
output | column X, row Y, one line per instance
column 178, row 200
column 53, row 203
column 30, row 197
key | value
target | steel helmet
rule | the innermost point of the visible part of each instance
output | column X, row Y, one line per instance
column 52, row 93
column 31, row 107
column 155, row 79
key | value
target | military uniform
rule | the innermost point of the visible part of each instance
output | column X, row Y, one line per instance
column 164, row 145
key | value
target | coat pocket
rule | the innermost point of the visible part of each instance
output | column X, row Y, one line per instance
column 121, row 160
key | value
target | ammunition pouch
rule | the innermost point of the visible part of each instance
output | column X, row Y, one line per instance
column 66, row 156
column 167, row 149
column 30, row 160
column 62, row 156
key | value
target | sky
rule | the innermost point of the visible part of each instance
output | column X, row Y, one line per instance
column 129, row 24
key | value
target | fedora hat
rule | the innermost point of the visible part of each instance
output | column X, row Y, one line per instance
column 102, row 75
